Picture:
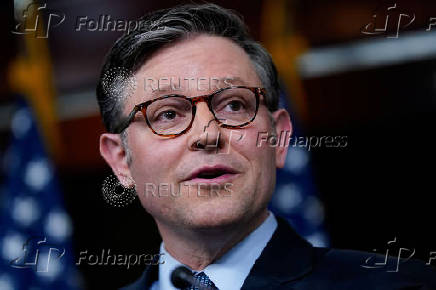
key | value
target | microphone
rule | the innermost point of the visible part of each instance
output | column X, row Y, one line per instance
column 182, row 277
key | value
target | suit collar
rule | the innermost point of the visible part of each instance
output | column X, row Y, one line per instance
column 148, row 277
column 286, row 257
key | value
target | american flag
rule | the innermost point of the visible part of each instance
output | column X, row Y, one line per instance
column 35, row 230
column 296, row 197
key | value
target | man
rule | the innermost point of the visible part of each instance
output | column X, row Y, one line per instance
column 186, row 137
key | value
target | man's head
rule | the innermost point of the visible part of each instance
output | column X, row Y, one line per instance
column 210, row 176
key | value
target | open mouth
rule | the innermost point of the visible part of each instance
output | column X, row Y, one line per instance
column 212, row 174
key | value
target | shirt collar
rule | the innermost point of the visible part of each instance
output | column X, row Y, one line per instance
column 165, row 270
column 230, row 271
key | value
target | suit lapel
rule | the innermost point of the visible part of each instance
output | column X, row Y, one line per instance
column 285, row 258
column 150, row 275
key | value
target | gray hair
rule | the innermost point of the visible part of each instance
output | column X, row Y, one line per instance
column 167, row 26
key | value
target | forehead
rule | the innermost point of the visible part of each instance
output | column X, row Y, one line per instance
column 199, row 57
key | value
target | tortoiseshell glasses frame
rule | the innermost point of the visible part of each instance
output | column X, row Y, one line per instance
column 256, row 93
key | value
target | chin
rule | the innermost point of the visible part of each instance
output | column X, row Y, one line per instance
column 215, row 215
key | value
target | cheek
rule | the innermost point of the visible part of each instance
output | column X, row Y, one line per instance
column 153, row 162
column 260, row 157
column 153, row 159
column 257, row 145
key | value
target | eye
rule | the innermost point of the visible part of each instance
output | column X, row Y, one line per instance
column 167, row 115
column 234, row 106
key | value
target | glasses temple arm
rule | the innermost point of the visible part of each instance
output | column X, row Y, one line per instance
column 126, row 121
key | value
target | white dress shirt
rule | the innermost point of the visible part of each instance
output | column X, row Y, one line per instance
column 230, row 271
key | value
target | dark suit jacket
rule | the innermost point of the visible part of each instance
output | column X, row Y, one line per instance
column 289, row 262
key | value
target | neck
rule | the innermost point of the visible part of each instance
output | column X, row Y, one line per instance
column 198, row 248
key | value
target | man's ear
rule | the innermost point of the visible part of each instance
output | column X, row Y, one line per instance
column 283, row 131
column 112, row 150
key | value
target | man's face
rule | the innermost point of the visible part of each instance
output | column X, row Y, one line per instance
column 171, row 173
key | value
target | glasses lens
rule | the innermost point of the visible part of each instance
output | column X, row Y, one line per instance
column 170, row 115
column 234, row 106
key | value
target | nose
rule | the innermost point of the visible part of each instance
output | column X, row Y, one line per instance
column 205, row 132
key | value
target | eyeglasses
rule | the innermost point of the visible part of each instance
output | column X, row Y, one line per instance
column 173, row 115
